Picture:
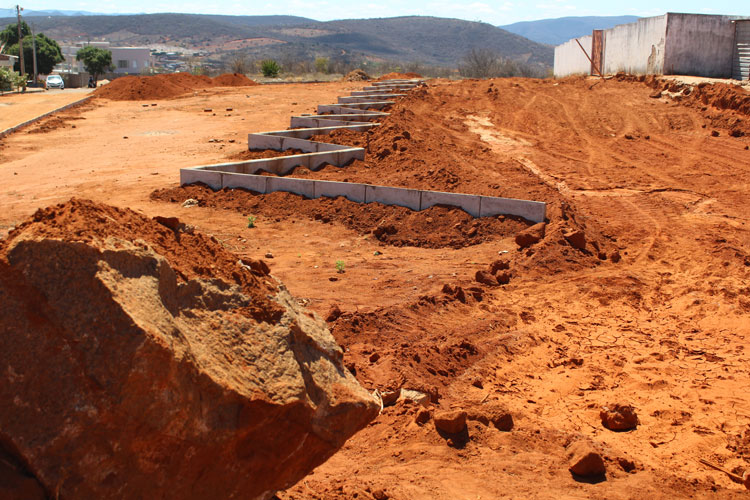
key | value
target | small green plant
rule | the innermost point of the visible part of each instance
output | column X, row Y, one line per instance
column 270, row 68
column 340, row 266
column 251, row 221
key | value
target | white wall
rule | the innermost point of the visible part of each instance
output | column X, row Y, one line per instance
column 699, row 45
column 570, row 59
column 136, row 59
column 636, row 48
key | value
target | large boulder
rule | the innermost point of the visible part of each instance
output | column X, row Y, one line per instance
column 146, row 361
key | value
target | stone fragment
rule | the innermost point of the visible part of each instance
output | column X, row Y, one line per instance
column 334, row 313
column 390, row 397
column 486, row 278
column 451, row 422
column 418, row 397
column 619, row 417
column 493, row 413
column 531, row 235
column 503, row 277
column 585, row 461
column 576, row 238
column 423, row 416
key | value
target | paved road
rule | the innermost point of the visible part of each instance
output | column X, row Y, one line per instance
column 17, row 108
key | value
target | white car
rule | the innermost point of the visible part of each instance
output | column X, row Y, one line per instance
column 54, row 82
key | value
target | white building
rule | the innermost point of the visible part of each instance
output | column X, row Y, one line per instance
column 125, row 60
column 7, row 61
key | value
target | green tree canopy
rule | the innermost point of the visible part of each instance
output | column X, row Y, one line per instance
column 48, row 53
column 95, row 60
column 9, row 35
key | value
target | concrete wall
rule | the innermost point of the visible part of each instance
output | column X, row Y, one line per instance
column 636, row 48
column 570, row 59
column 700, row 45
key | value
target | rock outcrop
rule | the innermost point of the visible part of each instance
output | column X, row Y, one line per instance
column 142, row 360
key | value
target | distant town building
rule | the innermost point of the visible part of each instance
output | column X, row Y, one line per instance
column 7, row 61
column 672, row 44
column 126, row 60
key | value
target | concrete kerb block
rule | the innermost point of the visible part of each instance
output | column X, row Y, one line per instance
column 302, row 187
column 410, row 198
column 255, row 183
column 535, row 211
column 332, row 189
column 469, row 203
column 193, row 175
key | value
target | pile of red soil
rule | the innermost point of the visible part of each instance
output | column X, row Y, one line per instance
column 191, row 255
column 233, row 80
column 399, row 76
column 166, row 86
column 708, row 97
column 436, row 227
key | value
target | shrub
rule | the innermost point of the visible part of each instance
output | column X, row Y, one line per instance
column 270, row 68
column 10, row 79
column 321, row 65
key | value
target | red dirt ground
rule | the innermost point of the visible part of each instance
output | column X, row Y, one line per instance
column 398, row 76
column 664, row 328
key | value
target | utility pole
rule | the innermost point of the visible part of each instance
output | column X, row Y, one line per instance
column 20, row 40
column 33, row 45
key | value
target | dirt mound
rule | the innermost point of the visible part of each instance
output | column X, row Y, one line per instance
column 725, row 105
column 398, row 76
column 436, row 227
column 356, row 75
column 186, row 371
column 233, row 80
column 165, row 86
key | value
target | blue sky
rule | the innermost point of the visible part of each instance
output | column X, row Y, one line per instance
column 494, row 12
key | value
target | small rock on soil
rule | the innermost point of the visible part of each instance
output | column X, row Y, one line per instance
column 531, row 235
column 585, row 461
column 451, row 422
column 619, row 417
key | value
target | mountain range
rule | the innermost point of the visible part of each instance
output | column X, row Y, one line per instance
column 562, row 29
column 427, row 40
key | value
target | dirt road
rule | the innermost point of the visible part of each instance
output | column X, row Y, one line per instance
column 18, row 108
column 654, row 180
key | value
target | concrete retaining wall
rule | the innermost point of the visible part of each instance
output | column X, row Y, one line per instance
column 679, row 44
column 570, row 59
column 415, row 199
column 636, row 48
column 699, row 45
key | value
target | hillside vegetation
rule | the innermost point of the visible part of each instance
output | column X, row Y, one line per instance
column 427, row 40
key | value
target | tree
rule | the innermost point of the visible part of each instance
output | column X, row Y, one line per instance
column 48, row 52
column 9, row 36
column 95, row 60
column 321, row 64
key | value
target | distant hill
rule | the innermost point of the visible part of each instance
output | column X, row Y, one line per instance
column 428, row 40
column 432, row 39
column 560, row 30
column 38, row 13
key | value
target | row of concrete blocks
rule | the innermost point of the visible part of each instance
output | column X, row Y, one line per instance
column 352, row 116
column 415, row 199
column 315, row 154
